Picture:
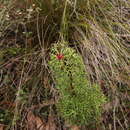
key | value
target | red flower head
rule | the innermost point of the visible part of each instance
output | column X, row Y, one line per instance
column 59, row 56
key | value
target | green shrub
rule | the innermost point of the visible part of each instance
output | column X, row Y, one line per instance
column 79, row 102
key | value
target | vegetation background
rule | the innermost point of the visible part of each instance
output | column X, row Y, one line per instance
column 65, row 64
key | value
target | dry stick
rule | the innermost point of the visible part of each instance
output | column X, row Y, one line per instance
column 114, row 111
column 125, row 122
column 16, row 59
column 47, row 103
column 120, row 124
column 17, row 99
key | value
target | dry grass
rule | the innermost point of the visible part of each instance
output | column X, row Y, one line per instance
column 100, row 32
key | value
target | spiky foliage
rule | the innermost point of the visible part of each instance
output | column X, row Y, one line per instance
column 79, row 103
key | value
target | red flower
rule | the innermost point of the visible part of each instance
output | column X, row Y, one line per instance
column 59, row 56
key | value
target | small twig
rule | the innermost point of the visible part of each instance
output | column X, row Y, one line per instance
column 47, row 103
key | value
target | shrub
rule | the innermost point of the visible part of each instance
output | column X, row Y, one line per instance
column 79, row 102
